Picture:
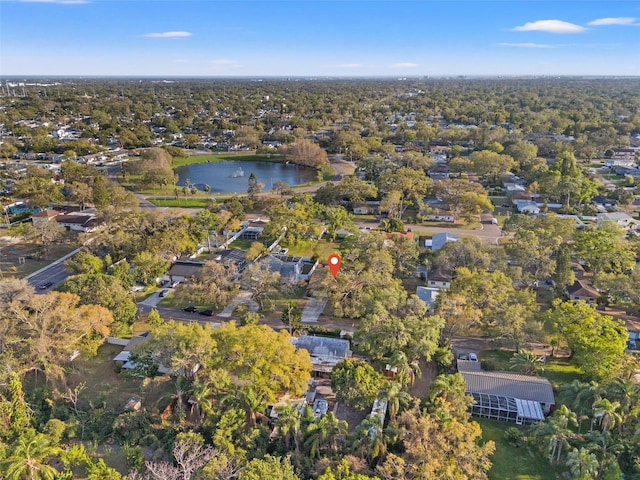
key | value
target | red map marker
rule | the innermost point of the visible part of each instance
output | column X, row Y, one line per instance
column 334, row 264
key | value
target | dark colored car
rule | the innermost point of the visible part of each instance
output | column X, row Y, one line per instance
column 190, row 309
column 207, row 312
column 45, row 285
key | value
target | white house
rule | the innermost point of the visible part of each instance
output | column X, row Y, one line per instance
column 623, row 219
column 527, row 206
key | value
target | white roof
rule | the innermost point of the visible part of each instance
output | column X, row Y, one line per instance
column 529, row 409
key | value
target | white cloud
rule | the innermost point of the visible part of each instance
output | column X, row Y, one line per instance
column 612, row 21
column 168, row 35
column 549, row 26
column 526, row 45
column 350, row 65
column 60, row 2
column 404, row 65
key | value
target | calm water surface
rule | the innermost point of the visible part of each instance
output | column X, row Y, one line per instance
column 224, row 177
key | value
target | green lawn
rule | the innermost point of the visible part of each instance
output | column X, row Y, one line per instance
column 495, row 359
column 511, row 463
column 308, row 248
column 195, row 202
column 558, row 370
column 241, row 243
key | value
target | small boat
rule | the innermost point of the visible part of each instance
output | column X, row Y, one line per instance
column 238, row 173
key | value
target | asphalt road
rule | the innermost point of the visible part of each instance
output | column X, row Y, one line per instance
column 56, row 274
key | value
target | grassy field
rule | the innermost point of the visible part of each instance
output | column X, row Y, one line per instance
column 241, row 243
column 308, row 248
column 558, row 370
column 103, row 384
column 194, row 202
column 511, row 463
column 12, row 252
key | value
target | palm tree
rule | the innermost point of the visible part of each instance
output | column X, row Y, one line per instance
column 177, row 398
column 396, row 399
column 606, row 447
column 627, row 394
column 249, row 399
column 606, row 413
column 406, row 372
column 369, row 440
column 526, row 362
column 557, row 430
column 582, row 463
column 200, row 401
column 289, row 425
column 321, row 435
column 28, row 459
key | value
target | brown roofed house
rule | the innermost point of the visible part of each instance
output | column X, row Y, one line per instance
column 581, row 290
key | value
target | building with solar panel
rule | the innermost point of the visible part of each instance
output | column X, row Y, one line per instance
column 506, row 396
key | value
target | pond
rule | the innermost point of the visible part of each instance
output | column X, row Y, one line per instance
column 233, row 176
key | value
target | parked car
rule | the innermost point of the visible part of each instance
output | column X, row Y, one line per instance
column 163, row 293
column 208, row 312
column 320, row 407
column 174, row 284
column 190, row 309
column 473, row 357
column 45, row 285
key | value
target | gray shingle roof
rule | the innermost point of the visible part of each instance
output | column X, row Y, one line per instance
column 323, row 346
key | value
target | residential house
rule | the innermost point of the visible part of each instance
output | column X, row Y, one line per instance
column 233, row 257
column 602, row 203
column 77, row 222
column 325, row 352
column 292, row 269
column 633, row 328
column 506, row 396
column 44, row 216
column 514, row 188
column 440, row 215
column 581, row 290
column 428, row 295
column 624, row 171
column 620, row 162
column 253, row 230
column 182, row 271
column 578, row 270
column 439, row 240
column 526, row 206
column 362, row 210
column 439, row 172
column 438, row 280
column 391, row 235
column 124, row 357
column 369, row 207
column 623, row 219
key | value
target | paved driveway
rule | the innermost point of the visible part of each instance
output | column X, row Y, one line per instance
column 313, row 309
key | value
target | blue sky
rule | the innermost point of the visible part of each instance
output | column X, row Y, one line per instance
column 319, row 38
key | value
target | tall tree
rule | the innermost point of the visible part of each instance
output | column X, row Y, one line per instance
column 597, row 341
column 356, row 383
column 28, row 459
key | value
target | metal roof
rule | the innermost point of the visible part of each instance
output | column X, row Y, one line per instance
column 523, row 387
